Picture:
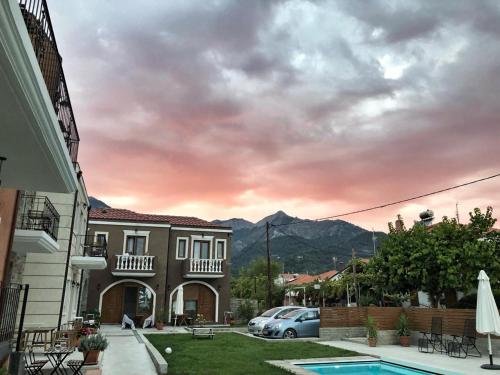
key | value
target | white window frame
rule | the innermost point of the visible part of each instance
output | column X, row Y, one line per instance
column 143, row 233
column 202, row 238
column 106, row 234
column 186, row 250
column 225, row 248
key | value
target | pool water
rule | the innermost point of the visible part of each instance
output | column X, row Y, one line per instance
column 362, row 368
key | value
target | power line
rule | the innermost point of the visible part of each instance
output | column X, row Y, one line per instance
column 391, row 203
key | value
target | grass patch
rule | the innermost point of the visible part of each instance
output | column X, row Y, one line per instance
column 234, row 354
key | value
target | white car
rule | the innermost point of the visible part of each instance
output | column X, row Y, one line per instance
column 256, row 325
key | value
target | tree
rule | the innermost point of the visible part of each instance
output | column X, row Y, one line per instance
column 439, row 260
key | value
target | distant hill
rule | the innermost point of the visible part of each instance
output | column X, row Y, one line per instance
column 305, row 247
column 96, row 203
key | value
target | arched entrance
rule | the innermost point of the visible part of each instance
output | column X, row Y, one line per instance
column 199, row 298
column 134, row 298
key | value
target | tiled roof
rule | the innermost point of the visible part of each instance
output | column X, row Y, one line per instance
column 119, row 214
column 327, row 275
column 303, row 279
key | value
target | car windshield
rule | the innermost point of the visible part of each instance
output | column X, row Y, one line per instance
column 292, row 314
column 271, row 312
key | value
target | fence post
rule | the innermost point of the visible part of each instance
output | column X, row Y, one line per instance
column 26, row 289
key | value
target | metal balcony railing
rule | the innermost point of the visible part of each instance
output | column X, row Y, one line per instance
column 36, row 212
column 95, row 247
column 10, row 296
column 37, row 19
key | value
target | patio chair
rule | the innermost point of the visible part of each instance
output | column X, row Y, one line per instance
column 434, row 338
column 76, row 364
column 459, row 345
column 32, row 365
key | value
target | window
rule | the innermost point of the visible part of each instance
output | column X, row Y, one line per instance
column 100, row 238
column 201, row 249
column 135, row 245
column 182, row 248
column 220, row 249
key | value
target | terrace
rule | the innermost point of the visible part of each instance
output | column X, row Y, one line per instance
column 37, row 225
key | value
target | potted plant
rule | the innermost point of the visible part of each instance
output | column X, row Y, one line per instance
column 403, row 330
column 371, row 327
column 200, row 320
column 159, row 319
column 91, row 346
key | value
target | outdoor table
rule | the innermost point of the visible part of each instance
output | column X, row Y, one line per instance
column 56, row 358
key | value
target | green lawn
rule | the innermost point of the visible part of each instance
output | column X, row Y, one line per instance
column 234, row 354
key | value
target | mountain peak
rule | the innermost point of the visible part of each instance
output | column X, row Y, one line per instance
column 279, row 217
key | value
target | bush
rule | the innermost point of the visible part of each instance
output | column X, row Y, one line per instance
column 246, row 311
column 93, row 342
column 470, row 301
column 371, row 327
column 402, row 327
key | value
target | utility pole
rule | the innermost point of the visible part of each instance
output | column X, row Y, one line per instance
column 269, row 278
column 354, row 277
column 334, row 263
column 374, row 239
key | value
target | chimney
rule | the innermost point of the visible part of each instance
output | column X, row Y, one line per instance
column 399, row 224
column 426, row 217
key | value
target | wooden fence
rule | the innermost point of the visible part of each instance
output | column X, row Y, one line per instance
column 387, row 317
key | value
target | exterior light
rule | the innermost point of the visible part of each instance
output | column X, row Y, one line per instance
column 2, row 159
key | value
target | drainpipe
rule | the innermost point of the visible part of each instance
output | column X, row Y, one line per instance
column 7, row 276
column 68, row 257
column 81, row 275
column 166, row 276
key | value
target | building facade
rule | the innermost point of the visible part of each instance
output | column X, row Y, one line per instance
column 150, row 257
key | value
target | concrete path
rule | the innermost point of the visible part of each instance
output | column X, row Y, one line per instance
column 125, row 354
column 411, row 356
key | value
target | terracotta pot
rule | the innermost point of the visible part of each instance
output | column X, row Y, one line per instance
column 159, row 326
column 92, row 358
column 404, row 340
column 372, row 341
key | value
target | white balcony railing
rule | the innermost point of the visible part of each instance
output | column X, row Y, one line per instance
column 134, row 262
column 205, row 265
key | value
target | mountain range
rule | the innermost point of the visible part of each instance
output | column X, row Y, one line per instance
column 301, row 246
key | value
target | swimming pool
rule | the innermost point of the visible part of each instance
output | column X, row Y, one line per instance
column 362, row 368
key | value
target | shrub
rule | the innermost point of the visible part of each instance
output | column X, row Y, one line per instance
column 246, row 311
column 93, row 342
column 402, row 327
column 470, row 301
column 371, row 327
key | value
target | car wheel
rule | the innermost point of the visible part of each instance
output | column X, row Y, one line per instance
column 290, row 334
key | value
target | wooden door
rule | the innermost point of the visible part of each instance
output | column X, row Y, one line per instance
column 206, row 303
column 112, row 305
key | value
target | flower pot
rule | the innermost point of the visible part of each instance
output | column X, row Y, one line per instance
column 404, row 340
column 92, row 358
column 372, row 341
column 159, row 326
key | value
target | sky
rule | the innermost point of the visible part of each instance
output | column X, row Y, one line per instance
column 222, row 109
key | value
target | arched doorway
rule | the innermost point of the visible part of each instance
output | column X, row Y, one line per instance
column 131, row 297
column 199, row 298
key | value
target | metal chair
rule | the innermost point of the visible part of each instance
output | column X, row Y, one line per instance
column 465, row 342
column 32, row 365
column 434, row 337
column 76, row 364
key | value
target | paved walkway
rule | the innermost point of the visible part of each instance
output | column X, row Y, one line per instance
column 125, row 354
column 411, row 356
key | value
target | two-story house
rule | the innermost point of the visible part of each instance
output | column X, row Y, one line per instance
column 150, row 258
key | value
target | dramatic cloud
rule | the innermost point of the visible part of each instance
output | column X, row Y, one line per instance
column 240, row 108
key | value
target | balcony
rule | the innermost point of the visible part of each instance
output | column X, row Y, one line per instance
column 39, row 136
column 36, row 226
column 37, row 19
column 95, row 254
column 203, row 268
column 134, row 265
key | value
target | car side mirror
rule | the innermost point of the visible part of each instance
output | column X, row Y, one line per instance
column 300, row 320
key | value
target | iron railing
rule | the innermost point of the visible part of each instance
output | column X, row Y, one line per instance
column 37, row 19
column 36, row 212
column 10, row 295
column 95, row 247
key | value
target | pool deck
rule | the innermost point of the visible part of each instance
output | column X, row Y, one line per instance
column 435, row 362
